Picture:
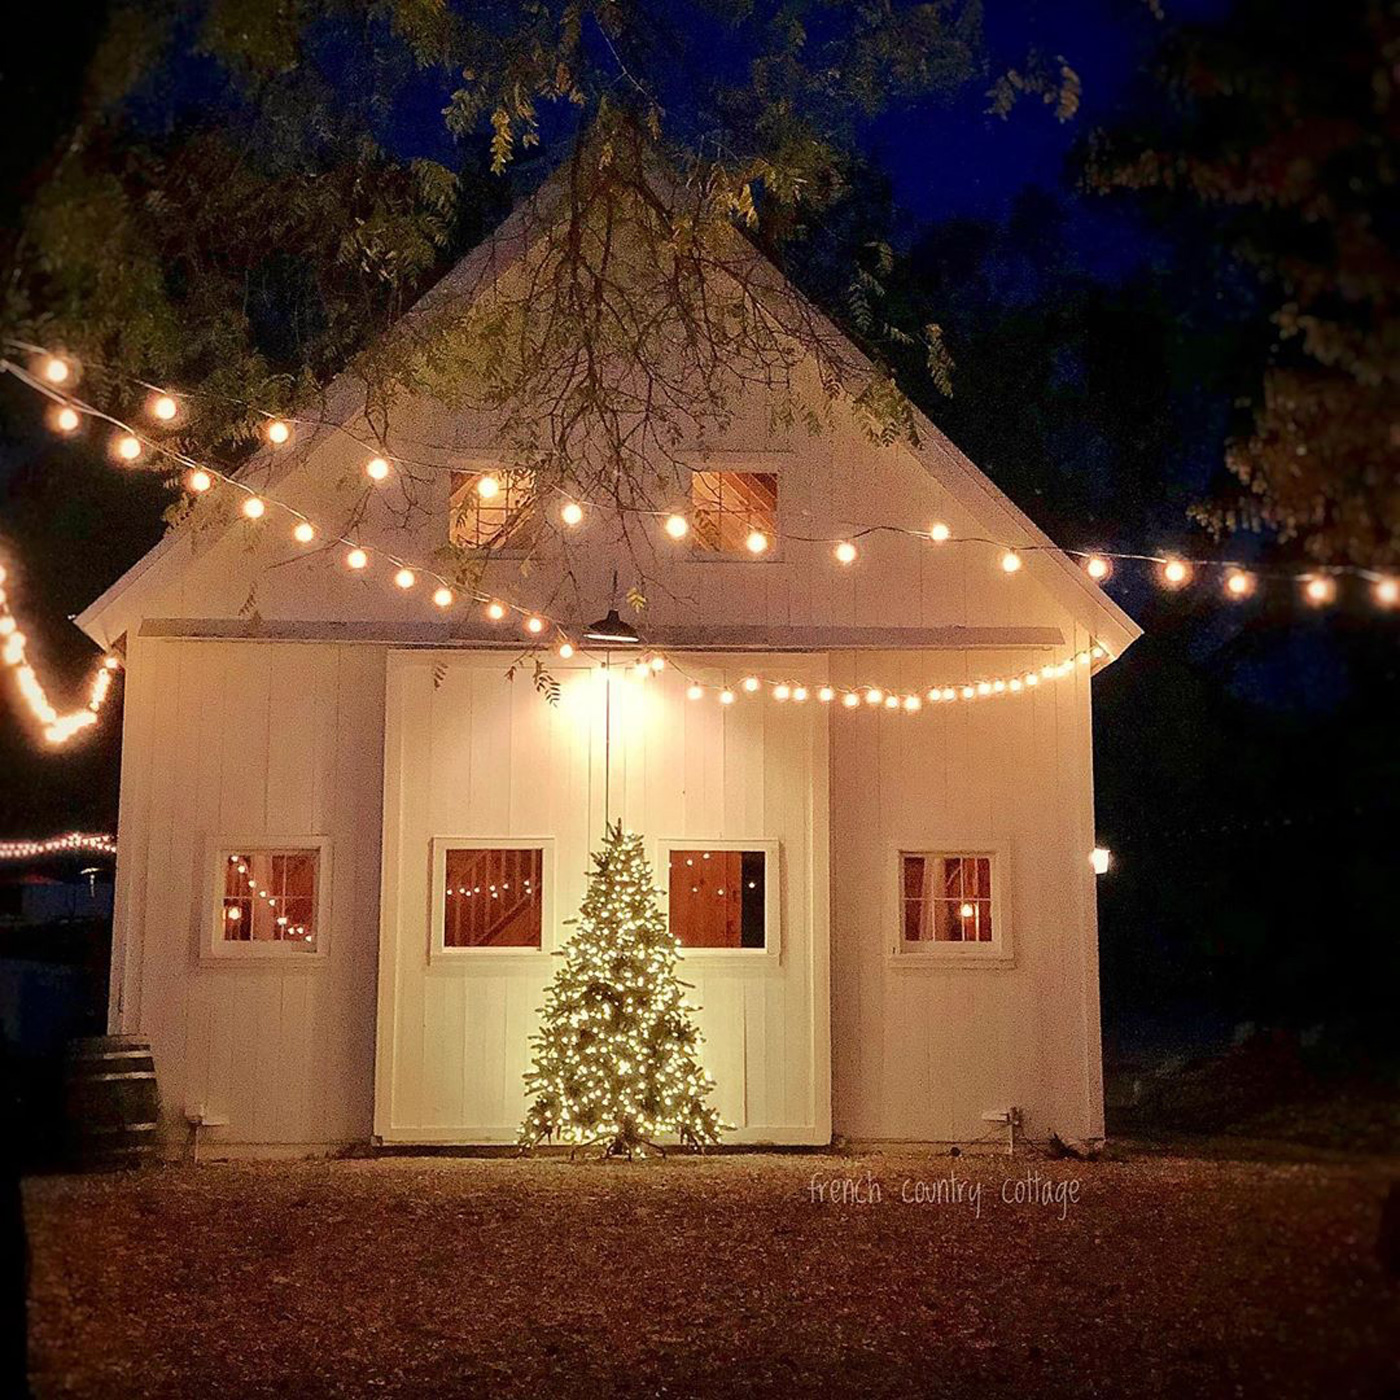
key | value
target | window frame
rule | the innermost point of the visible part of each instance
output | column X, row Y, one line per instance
column 697, row 553
column 484, row 466
column 438, row 951
column 771, row 951
column 999, row 952
column 216, row 948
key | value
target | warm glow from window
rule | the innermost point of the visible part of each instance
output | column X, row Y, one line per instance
column 718, row 899
column 731, row 510
column 493, row 897
column 270, row 897
column 945, row 898
column 503, row 515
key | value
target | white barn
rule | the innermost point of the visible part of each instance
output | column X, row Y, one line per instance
column 892, row 934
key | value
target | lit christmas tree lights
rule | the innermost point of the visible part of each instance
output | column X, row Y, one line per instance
column 615, row 1059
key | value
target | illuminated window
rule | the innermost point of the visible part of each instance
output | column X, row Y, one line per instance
column 946, row 899
column 727, row 507
column 492, row 897
column 719, row 899
column 506, row 520
column 270, row 898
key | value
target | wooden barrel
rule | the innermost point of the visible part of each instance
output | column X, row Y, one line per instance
column 113, row 1105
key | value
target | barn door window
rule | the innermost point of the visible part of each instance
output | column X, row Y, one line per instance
column 949, row 901
column 727, row 507
column 722, row 896
column 269, row 898
column 490, row 896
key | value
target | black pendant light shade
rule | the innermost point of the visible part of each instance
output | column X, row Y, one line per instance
column 614, row 630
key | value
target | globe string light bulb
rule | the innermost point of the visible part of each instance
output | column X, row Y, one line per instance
column 164, row 408
column 1239, row 583
column 442, row 597
column 377, row 469
column 750, row 683
column 56, row 370
column 127, row 447
column 278, row 432
column 254, row 508
column 939, row 533
column 726, row 697
column 66, row 419
column 677, row 526
column 1320, row 590
column 356, row 559
column 826, row 694
column 495, row 611
column 1097, row 567
column 572, row 514
column 534, row 625
column 757, row 542
column 566, row 650
column 304, row 532
column 199, row 481
column 405, row 578
column 488, row 487
column 1176, row 573
column 1386, row 592
column 1011, row 562
column 845, row 552
column 694, row 693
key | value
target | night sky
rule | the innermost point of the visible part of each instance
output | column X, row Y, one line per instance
column 1246, row 764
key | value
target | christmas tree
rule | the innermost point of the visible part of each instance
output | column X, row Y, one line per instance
column 615, row 1059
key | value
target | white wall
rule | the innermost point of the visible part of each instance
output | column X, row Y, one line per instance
column 470, row 754
column 240, row 740
column 922, row 1049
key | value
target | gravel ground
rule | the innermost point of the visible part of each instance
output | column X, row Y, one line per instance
column 722, row 1276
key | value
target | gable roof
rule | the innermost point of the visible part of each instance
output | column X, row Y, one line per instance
column 114, row 611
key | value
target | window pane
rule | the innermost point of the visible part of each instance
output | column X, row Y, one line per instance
column 493, row 897
column 718, row 898
column 507, row 521
column 270, row 897
column 727, row 506
column 946, row 898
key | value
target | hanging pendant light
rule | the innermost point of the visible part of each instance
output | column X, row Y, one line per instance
column 613, row 630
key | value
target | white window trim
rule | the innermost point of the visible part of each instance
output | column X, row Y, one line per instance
column 438, row 951
column 1000, row 952
column 772, row 896
column 214, row 947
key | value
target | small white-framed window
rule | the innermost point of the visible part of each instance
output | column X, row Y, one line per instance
column 951, row 903
column 492, row 896
column 722, row 896
column 507, row 519
column 727, row 507
column 268, row 898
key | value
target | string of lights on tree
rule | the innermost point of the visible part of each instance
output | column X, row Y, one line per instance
column 57, row 728
column 73, row 843
column 54, row 376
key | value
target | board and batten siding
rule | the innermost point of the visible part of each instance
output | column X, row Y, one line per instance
column 236, row 741
column 469, row 754
column 923, row 1048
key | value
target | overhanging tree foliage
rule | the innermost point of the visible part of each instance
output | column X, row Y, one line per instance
column 248, row 201
column 1286, row 132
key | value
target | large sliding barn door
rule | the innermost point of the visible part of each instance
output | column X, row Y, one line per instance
column 493, row 802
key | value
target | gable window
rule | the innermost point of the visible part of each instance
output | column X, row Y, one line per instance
column 722, row 897
column 269, row 899
column 949, row 900
column 506, row 520
column 727, row 507
column 490, row 895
